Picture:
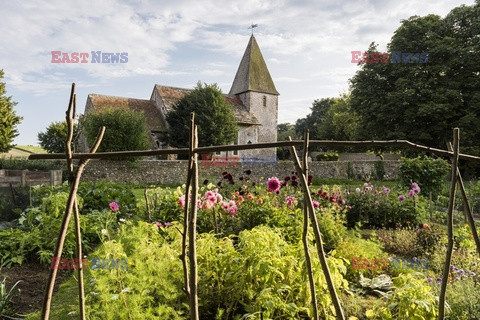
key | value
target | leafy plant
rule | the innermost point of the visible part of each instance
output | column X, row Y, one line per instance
column 429, row 173
column 411, row 298
column 6, row 295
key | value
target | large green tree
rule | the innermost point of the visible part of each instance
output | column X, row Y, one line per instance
column 330, row 119
column 422, row 102
column 8, row 119
column 124, row 129
column 54, row 138
column 213, row 116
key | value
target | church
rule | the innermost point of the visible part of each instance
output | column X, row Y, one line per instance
column 253, row 97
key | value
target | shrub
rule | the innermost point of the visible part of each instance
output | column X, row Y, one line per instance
column 429, row 173
column 327, row 156
column 381, row 208
column 262, row 276
column 411, row 298
column 352, row 247
column 23, row 164
column 378, row 170
column 125, row 129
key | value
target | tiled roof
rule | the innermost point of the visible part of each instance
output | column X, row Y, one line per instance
column 170, row 95
column 153, row 116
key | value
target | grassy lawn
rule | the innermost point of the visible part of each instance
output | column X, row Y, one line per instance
column 22, row 151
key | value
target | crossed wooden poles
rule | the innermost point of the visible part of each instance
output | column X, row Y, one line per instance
column 190, row 272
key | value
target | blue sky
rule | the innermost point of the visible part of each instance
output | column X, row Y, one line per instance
column 307, row 46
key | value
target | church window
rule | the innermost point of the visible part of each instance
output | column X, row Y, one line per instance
column 264, row 101
column 235, row 152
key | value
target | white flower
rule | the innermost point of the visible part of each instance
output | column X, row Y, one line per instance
column 125, row 290
column 114, row 297
column 71, row 313
column 104, row 231
column 122, row 220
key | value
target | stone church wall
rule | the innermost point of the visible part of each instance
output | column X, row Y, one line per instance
column 174, row 171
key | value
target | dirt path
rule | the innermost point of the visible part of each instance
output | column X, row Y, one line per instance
column 32, row 286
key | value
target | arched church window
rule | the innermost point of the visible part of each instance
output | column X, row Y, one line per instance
column 264, row 101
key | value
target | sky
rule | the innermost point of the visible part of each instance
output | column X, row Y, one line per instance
column 306, row 44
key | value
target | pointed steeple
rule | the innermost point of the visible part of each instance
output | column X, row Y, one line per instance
column 252, row 74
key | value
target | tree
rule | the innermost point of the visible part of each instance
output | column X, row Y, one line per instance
column 213, row 116
column 423, row 102
column 54, row 137
column 8, row 119
column 125, row 129
column 330, row 119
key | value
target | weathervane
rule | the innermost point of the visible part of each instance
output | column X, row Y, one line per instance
column 253, row 26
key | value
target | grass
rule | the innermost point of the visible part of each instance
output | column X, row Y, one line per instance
column 22, row 151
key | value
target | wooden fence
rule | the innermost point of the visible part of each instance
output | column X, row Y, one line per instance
column 26, row 178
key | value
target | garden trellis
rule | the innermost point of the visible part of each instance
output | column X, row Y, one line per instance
column 190, row 210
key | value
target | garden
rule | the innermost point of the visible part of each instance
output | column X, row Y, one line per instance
column 385, row 243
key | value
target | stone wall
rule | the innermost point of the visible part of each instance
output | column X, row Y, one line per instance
column 29, row 178
column 174, row 171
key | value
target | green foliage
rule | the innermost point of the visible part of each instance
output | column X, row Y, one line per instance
column 353, row 247
column 378, row 170
column 39, row 228
column 462, row 298
column 429, row 173
column 382, row 208
column 213, row 116
column 98, row 196
column 23, row 164
column 163, row 204
column 327, row 156
column 330, row 118
column 8, row 119
column 414, row 101
column 402, row 242
column 125, row 129
column 411, row 298
column 262, row 276
column 55, row 136
column 350, row 172
column 150, row 288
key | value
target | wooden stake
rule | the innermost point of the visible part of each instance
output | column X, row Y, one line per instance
column 192, row 237
column 308, row 260
column 318, row 238
column 466, row 204
column 71, row 204
column 451, row 203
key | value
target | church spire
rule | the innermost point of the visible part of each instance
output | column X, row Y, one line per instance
column 252, row 74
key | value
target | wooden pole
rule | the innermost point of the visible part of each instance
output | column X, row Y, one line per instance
column 183, row 257
column 192, row 237
column 308, row 260
column 63, row 229
column 318, row 238
column 201, row 150
column 466, row 204
column 70, row 116
column 451, row 203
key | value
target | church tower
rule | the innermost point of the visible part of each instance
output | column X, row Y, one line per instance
column 254, row 86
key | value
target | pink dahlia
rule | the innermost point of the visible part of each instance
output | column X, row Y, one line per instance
column 113, row 206
column 273, row 184
column 290, row 201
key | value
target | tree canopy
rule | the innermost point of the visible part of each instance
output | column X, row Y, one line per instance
column 423, row 102
column 330, row 119
column 8, row 119
column 54, row 137
column 213, row 116
column 125, row 129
